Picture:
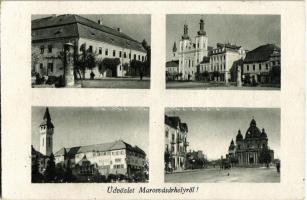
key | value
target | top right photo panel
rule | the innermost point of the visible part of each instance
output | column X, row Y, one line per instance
column 221, row 51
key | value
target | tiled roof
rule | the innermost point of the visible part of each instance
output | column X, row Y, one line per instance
column 71, row 26
column 262, row 53
column 173, row 63
column 119, row 144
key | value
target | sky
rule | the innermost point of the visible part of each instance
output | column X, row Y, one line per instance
column 249, row 31
column 211, row 129
column 136, row 26
column 79, row 126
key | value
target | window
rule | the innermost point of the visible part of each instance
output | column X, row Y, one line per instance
column 42, row 49
column 114, row 53
column 139, row 57
column 100, row 50
column 41, row 65
column 106, row 52
column 143, row 58
column 118, row 160
column 197, row 45
column 134, row 56
column 130, row 55
column 120, row 54
column 267, row 66
column 90, row 49
column 254, row 67
column 259, row 66
column 247, row 67
column 49, row 48
column 125, row 55
column 50, row 67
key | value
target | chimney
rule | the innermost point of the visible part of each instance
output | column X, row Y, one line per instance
column 99, row 21
column 119, row 30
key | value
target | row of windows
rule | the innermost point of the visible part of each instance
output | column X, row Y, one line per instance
column 259, row 67
column 120, row 54
column 49, row 48
column 118, row 166
column 218, row 57
column 49, row 67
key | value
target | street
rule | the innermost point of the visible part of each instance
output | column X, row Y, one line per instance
column 215, row 175
column 212, row 86
column 128, row 83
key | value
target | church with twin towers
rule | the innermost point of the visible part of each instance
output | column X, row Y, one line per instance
column 195, row 56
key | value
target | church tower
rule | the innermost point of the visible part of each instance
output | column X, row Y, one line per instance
column 174, row 51
column 201, row 41
column 46, row 133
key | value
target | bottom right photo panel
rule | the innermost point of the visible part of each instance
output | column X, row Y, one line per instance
column 222, row 145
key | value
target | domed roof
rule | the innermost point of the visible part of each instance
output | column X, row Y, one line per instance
column 239, row 136
column 253, row 131
column 263, row 134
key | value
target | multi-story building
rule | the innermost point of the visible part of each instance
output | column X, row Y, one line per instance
column 259, row 62
column 246, row 151
column 116, row 157
column 172, row 67
column 197, row 57
column 51, row 33
column 176, row 141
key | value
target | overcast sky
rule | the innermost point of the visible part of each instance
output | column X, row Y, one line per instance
column 136, row 26
column 249, row 31
column 211, row 129
column 76, row 126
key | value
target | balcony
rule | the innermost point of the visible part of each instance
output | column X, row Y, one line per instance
column 186, row 144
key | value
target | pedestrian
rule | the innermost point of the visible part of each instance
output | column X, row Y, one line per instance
column 278, row 167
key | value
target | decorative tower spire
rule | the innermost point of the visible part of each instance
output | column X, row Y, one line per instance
column 174, row 47
column 46, row 133
column 185, row 35
column 201, row 28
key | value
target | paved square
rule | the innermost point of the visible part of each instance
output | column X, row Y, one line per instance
column 215, row 175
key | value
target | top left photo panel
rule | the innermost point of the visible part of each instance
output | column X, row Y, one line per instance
column 91, row 51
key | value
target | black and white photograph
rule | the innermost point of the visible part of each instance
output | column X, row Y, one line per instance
column 221, row 145
column 91, row 51
column 90, row 144
column 221, row 51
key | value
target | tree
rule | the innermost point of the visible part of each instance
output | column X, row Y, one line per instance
column 86, row 60
column 265, row 156
column 275, row 74
column 50, row 172
column 167, row 159
column 136, row 67
column 36, row 176
column 147, row 63
column 109, row 64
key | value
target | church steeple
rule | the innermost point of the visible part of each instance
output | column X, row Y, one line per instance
column 46, row 134
column 174, row 47
column 201, row 28
column 185, row 35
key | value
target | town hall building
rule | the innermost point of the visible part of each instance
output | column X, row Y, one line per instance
column 117, row 157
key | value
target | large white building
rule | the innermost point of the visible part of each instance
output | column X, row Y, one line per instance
column 51, row 33
column 196, row 57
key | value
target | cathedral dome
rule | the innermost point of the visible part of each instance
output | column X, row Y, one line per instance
column 239, row 136
column 253, row 131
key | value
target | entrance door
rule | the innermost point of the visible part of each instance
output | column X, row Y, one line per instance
column 251, row 160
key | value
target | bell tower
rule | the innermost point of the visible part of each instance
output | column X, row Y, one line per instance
column 201, row 41
column 46, row 129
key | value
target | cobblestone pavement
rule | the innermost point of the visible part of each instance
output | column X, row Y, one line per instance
column 215, row 175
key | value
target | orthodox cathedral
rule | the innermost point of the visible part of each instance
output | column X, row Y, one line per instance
column 246, row 151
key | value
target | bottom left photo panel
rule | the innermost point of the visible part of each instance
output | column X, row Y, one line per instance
column 89, row 144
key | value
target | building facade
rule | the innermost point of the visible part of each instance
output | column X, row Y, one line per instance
column 176, row 142
column 50, row 34
column 116, row 157
column 196, row 56
column 247, row 151
column 259, row 63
